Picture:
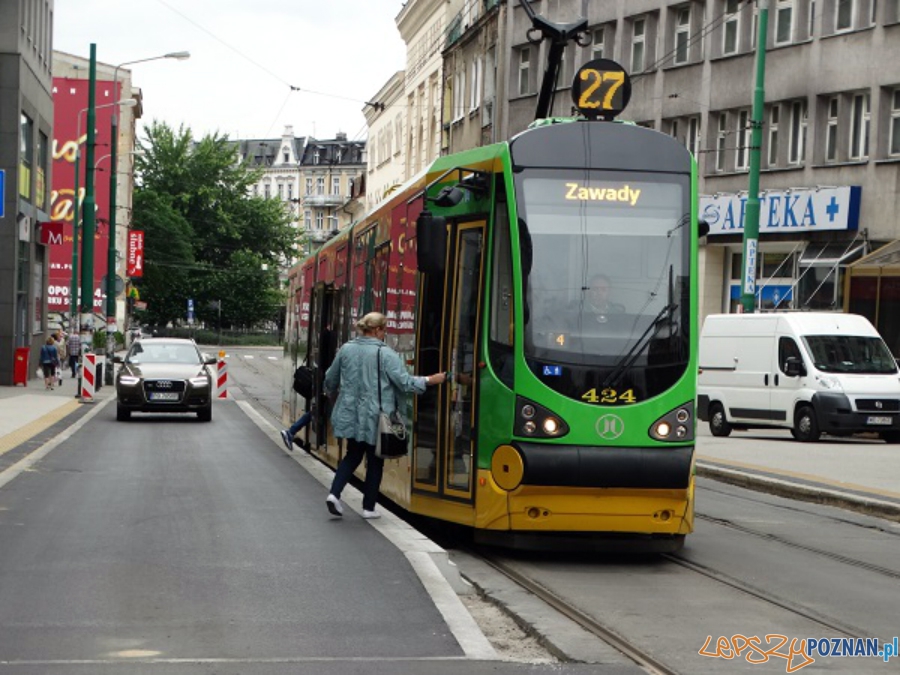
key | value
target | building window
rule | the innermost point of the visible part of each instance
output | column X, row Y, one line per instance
column 267, row 190
column 290, row 191
column 309, row 184
column 692, row 140
column 40, row 188
column 860, row 117
column 307, row 219
column 721, row 136
column 26, row 156
column 843, row 15
column 597, row 43
column 639, row 28
column 673, row 129
column 281, row 191
column 524, row 70
column 832, row 129
column 774, row 114
column 812, row 18
column 319, row 219
column 335, row 185
column 743, row 140
column 338, row 155
column 797, row 141
column 287, row 157
column 894, row 145
column 732, row 27
column 682, row 34
column 784, row 22
column 320, row 185
column 316, row 156
column 475, row 90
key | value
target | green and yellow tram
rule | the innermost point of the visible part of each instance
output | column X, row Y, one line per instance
column 568, row 417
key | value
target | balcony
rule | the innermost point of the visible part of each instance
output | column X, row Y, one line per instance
column 324, row 200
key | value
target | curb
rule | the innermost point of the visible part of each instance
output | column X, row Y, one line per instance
column 814, row 492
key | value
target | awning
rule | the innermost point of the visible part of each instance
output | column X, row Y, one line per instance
column 886, row 256
column 831, row 254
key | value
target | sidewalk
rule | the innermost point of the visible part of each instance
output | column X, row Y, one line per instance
column 26, row 412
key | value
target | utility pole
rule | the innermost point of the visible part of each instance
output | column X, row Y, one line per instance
column 751, row 224
column 73, row 292
column 90, row 216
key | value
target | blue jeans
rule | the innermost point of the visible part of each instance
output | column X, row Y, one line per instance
column 299, row 424
column 356, row 450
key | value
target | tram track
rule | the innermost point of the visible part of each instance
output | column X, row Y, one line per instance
column 626, row 647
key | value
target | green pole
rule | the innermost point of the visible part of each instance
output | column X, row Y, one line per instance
column 751, row 224
column 111, row 249
column 90, row 214
column 73, row 291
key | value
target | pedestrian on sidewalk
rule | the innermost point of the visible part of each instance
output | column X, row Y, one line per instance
column 74, row 349
column 59, row 337
column 287, row 435
column 353, row 377
column 49, row 362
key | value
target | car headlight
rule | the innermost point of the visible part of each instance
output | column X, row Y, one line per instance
column 830, row 383
column 129, row 380
column 200, row 381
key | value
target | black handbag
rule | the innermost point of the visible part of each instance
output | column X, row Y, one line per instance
column 303, row 381
column 392, row 440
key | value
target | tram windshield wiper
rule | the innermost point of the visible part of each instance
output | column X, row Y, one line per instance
column 665, row 317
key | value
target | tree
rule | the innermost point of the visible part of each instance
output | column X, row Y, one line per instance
column 207, row 238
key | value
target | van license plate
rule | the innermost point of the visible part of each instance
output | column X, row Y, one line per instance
column 879, row 420
column 173, row 396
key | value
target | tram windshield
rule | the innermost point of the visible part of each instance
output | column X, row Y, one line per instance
column 607, row 293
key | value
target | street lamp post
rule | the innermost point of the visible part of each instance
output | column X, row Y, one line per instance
column 113, row 185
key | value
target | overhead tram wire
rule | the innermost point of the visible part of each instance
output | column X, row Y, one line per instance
column 252, row 61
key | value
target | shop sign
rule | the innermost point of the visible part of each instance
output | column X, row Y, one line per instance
column 785, row 211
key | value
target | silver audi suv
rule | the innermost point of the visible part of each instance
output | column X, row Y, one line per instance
column 164, row 375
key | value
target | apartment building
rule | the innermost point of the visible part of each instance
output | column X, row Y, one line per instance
column 26, row 130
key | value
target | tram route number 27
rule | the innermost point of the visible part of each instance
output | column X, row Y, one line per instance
column 599, row 89
column 607, row 396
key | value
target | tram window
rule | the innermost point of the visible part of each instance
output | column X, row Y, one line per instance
column 502, row 316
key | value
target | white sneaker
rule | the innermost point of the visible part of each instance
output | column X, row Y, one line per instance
column 334, row 506
column 371, row 515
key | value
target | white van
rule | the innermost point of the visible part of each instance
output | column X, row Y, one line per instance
column 810, row 372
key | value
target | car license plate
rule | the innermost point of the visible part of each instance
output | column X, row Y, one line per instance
column 164, row 396
column 879, row 420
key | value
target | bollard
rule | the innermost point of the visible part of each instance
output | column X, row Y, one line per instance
column 88, row 377
column 222, row 380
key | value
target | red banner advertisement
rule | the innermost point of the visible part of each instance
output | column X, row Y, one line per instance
column 69, row 98
column 135, row 253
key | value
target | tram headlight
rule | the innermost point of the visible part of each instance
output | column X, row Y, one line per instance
column 536, row 421
column 675, row 426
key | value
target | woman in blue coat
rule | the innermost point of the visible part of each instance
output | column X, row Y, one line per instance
column 353, row 376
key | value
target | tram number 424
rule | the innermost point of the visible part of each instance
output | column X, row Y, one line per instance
column 609, row 396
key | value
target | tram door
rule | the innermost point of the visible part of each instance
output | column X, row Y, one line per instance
column 445, row 446
column 326, row 312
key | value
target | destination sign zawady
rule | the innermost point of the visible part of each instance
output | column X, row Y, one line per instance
column 620, row 195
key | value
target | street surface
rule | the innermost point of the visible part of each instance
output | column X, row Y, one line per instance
column 164, row 545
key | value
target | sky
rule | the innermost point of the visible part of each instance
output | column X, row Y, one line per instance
column 245, row 57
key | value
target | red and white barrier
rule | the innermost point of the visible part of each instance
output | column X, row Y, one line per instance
column 88, row 377
column 222, row 378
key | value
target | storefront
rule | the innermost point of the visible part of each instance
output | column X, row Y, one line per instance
column 807, row 238
column 874, row 292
